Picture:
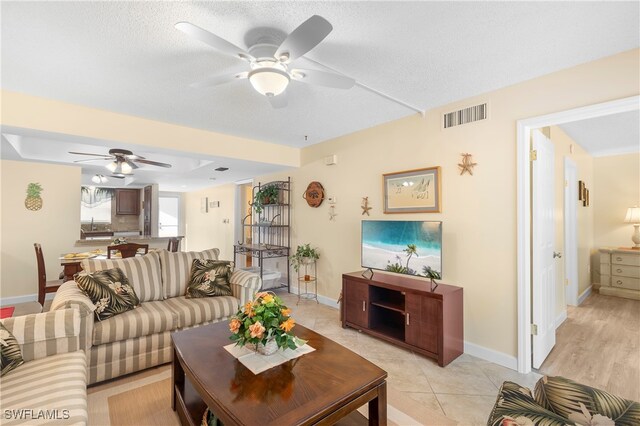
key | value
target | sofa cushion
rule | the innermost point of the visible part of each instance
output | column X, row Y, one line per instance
column 11, row 356
column 515, row 405
column 209, row 278
column 580, row 402
column 109, row 290
column 143, row 273
column 148, row 318
column 197, row 311
column 176, row 268
column 56, row 384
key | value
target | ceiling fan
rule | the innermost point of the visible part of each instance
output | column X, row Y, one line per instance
column 269, row 63
column 123, row 161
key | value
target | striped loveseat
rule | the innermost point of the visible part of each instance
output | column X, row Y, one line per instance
column 51, row 386
column 141, row 338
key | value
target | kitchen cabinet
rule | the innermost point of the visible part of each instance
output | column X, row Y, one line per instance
column 127, row 202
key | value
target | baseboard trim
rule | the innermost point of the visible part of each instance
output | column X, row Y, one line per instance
column 472, row 349
column 584, row 295
column 490, row 355
column 333, row 303
column 560, row 318
column 14, row 300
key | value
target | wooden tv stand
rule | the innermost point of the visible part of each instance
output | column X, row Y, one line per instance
column 402, row 310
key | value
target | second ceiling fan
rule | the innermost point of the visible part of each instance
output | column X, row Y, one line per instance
column 269, row 63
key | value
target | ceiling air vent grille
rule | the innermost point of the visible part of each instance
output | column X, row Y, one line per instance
column 465, row 115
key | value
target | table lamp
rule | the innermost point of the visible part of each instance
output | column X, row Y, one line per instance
column 633, row 216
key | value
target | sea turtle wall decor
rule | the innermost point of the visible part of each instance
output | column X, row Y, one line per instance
column 314, row 194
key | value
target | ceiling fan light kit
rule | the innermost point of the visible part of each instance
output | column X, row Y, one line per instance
column 99, row 179
column 269, row 81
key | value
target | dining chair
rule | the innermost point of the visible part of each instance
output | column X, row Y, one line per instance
column 173, row 244
column 44, row 286
column 127, row 250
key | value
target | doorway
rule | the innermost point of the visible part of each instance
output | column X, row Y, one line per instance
column 525, row 272
column 570, row 231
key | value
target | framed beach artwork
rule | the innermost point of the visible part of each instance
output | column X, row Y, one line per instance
column 412, row 191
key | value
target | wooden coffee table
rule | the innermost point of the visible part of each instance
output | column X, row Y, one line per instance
column 317, row 388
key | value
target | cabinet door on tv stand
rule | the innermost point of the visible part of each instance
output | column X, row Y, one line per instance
column 422, row 317
column 356, row 303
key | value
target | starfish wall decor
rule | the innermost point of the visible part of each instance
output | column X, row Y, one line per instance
column 467, row 164
column 365, row 206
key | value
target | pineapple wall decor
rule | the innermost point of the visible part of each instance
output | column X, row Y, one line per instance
column 33, row 201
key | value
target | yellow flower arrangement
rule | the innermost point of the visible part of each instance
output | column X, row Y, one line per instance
column 264, row 318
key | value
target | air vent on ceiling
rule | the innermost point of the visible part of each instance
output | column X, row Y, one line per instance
column 221, row 169
column 465, row 115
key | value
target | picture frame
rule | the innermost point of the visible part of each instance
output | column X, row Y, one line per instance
column 585, row 203
column 412, row 191
column 581, row 190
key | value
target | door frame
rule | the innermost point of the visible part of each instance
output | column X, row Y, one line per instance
column 523, row 189
column 570, row 239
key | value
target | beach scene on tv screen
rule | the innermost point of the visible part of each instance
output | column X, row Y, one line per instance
column 407, row 247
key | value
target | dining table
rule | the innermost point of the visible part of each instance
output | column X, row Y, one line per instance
column 71, row 262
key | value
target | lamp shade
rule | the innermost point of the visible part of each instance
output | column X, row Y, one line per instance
column 269, row 81
column 633, row 215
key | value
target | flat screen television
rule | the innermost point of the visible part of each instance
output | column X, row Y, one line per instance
column 406, row 246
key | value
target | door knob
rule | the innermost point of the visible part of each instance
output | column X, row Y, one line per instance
column 557, row 254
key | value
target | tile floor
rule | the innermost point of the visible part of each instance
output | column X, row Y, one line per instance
column 465, row 390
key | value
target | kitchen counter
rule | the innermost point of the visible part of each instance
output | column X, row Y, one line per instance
column 102, row 242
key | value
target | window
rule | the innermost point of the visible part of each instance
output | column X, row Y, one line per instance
column 169, row 216
column 95, row 206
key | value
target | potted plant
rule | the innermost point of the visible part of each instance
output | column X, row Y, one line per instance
column 264, row 323
column 305, row 254
column 432, row 274
column 267, row 194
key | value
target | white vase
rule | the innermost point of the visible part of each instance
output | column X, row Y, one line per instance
column 269, row 348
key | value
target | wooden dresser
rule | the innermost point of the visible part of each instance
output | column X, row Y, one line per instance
column 620, row 272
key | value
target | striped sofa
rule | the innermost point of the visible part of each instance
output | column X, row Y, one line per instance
column 141, row 338
column 51, row 386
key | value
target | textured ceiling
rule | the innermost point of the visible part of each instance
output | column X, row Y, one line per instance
column 189, row 172
column 128, row 57
column 608, row 135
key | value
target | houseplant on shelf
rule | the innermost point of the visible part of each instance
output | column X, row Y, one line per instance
column 305, row 255
column 267, row 194
column 264, row 323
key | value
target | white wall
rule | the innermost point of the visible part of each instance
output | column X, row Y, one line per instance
column 617, row 187
column 56, row 226
column 209, row 230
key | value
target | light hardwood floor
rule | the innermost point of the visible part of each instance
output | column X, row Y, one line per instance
column 599, row 345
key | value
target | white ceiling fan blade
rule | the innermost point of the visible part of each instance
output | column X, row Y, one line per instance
column 217, row 80
column 280, row 101
column 93, row 159
column 213, row 40
column 304, row 38
column 323, row 78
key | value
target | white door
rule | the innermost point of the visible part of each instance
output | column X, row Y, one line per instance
column 543, row 243
column 570, row 231
column 169, row 214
